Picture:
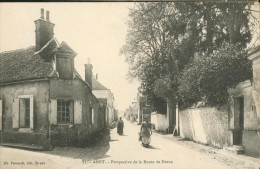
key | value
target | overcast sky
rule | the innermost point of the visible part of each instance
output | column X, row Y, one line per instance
column 94, row 30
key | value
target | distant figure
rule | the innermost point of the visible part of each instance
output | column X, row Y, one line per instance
column 120, row 126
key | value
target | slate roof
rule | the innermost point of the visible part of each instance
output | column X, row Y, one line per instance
column 96, row 85
column 23, row 64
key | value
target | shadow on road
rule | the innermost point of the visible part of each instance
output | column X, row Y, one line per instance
column 94, row 152
column 123, row 135
column 184, row 139
column 152, row 147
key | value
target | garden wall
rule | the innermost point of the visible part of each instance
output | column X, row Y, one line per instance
column 206, row 125
column 159, row 121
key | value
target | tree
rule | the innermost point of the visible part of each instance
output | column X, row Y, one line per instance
column 209, row 78
column 149, row 51
column 163, row 37
column 236, row 19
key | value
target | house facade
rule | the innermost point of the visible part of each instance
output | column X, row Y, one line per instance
column 244, row 115
column 43, row 99
column 106, row 98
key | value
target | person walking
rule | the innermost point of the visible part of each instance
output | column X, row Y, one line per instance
column 145, row 133
column 120, row 126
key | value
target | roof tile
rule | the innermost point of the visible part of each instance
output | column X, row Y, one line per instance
column 23, row 64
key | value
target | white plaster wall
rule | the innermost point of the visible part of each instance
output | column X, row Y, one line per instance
column 198, row 130
column 160, row 121
column 106, row 94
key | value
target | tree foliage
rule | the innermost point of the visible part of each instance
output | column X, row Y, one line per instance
column 209, row 78
column 163, row 37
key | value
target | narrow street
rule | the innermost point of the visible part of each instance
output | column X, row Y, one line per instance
column 120, row 152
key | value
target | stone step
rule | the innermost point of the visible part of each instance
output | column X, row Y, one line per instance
column 236, row 149
column 23, row 146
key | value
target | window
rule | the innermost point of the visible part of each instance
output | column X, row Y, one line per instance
column 65, row 111
column 24, row 109
column 23, row 117
column 92, row 112
column 91, row 115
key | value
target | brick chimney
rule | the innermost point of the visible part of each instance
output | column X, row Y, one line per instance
column 43, row 30
column 88, row 73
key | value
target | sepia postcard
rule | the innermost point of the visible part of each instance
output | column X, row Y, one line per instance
column 130, row 85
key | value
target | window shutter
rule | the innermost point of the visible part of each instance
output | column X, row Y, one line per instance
column 93, row 116
column 1, row 114
column 53, row 112
column 31, row 112
column 16, row 113
column 77, row 112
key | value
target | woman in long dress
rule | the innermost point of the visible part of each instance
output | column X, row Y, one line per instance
column 120, row 126
column 146, row 132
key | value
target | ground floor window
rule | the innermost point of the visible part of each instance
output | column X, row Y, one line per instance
column 91, row 115
column 23, row 112
column 24, row 106
column 65, row 111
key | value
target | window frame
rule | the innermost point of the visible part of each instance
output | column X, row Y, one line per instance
column 31, row 123
column 90, row 110
column 71, row 113
column 24, row 104
column 93, row 116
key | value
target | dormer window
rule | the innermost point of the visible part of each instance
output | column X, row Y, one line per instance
column 64, row 59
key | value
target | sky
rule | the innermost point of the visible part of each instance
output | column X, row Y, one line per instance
column 94, row 30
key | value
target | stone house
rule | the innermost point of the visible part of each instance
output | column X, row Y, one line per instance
column 43, row 99
column 106, row 98
column 244, row 114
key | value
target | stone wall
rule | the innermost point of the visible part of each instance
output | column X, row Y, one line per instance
column 255, row 57
column 251, row 127
column 43, row 92
column 206, row 125
column 41, row 100
column 40, row 92
column 252, row 137
column 77, row 134
column 243, row 90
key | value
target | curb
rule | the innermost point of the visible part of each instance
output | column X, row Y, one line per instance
column 23, row 146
